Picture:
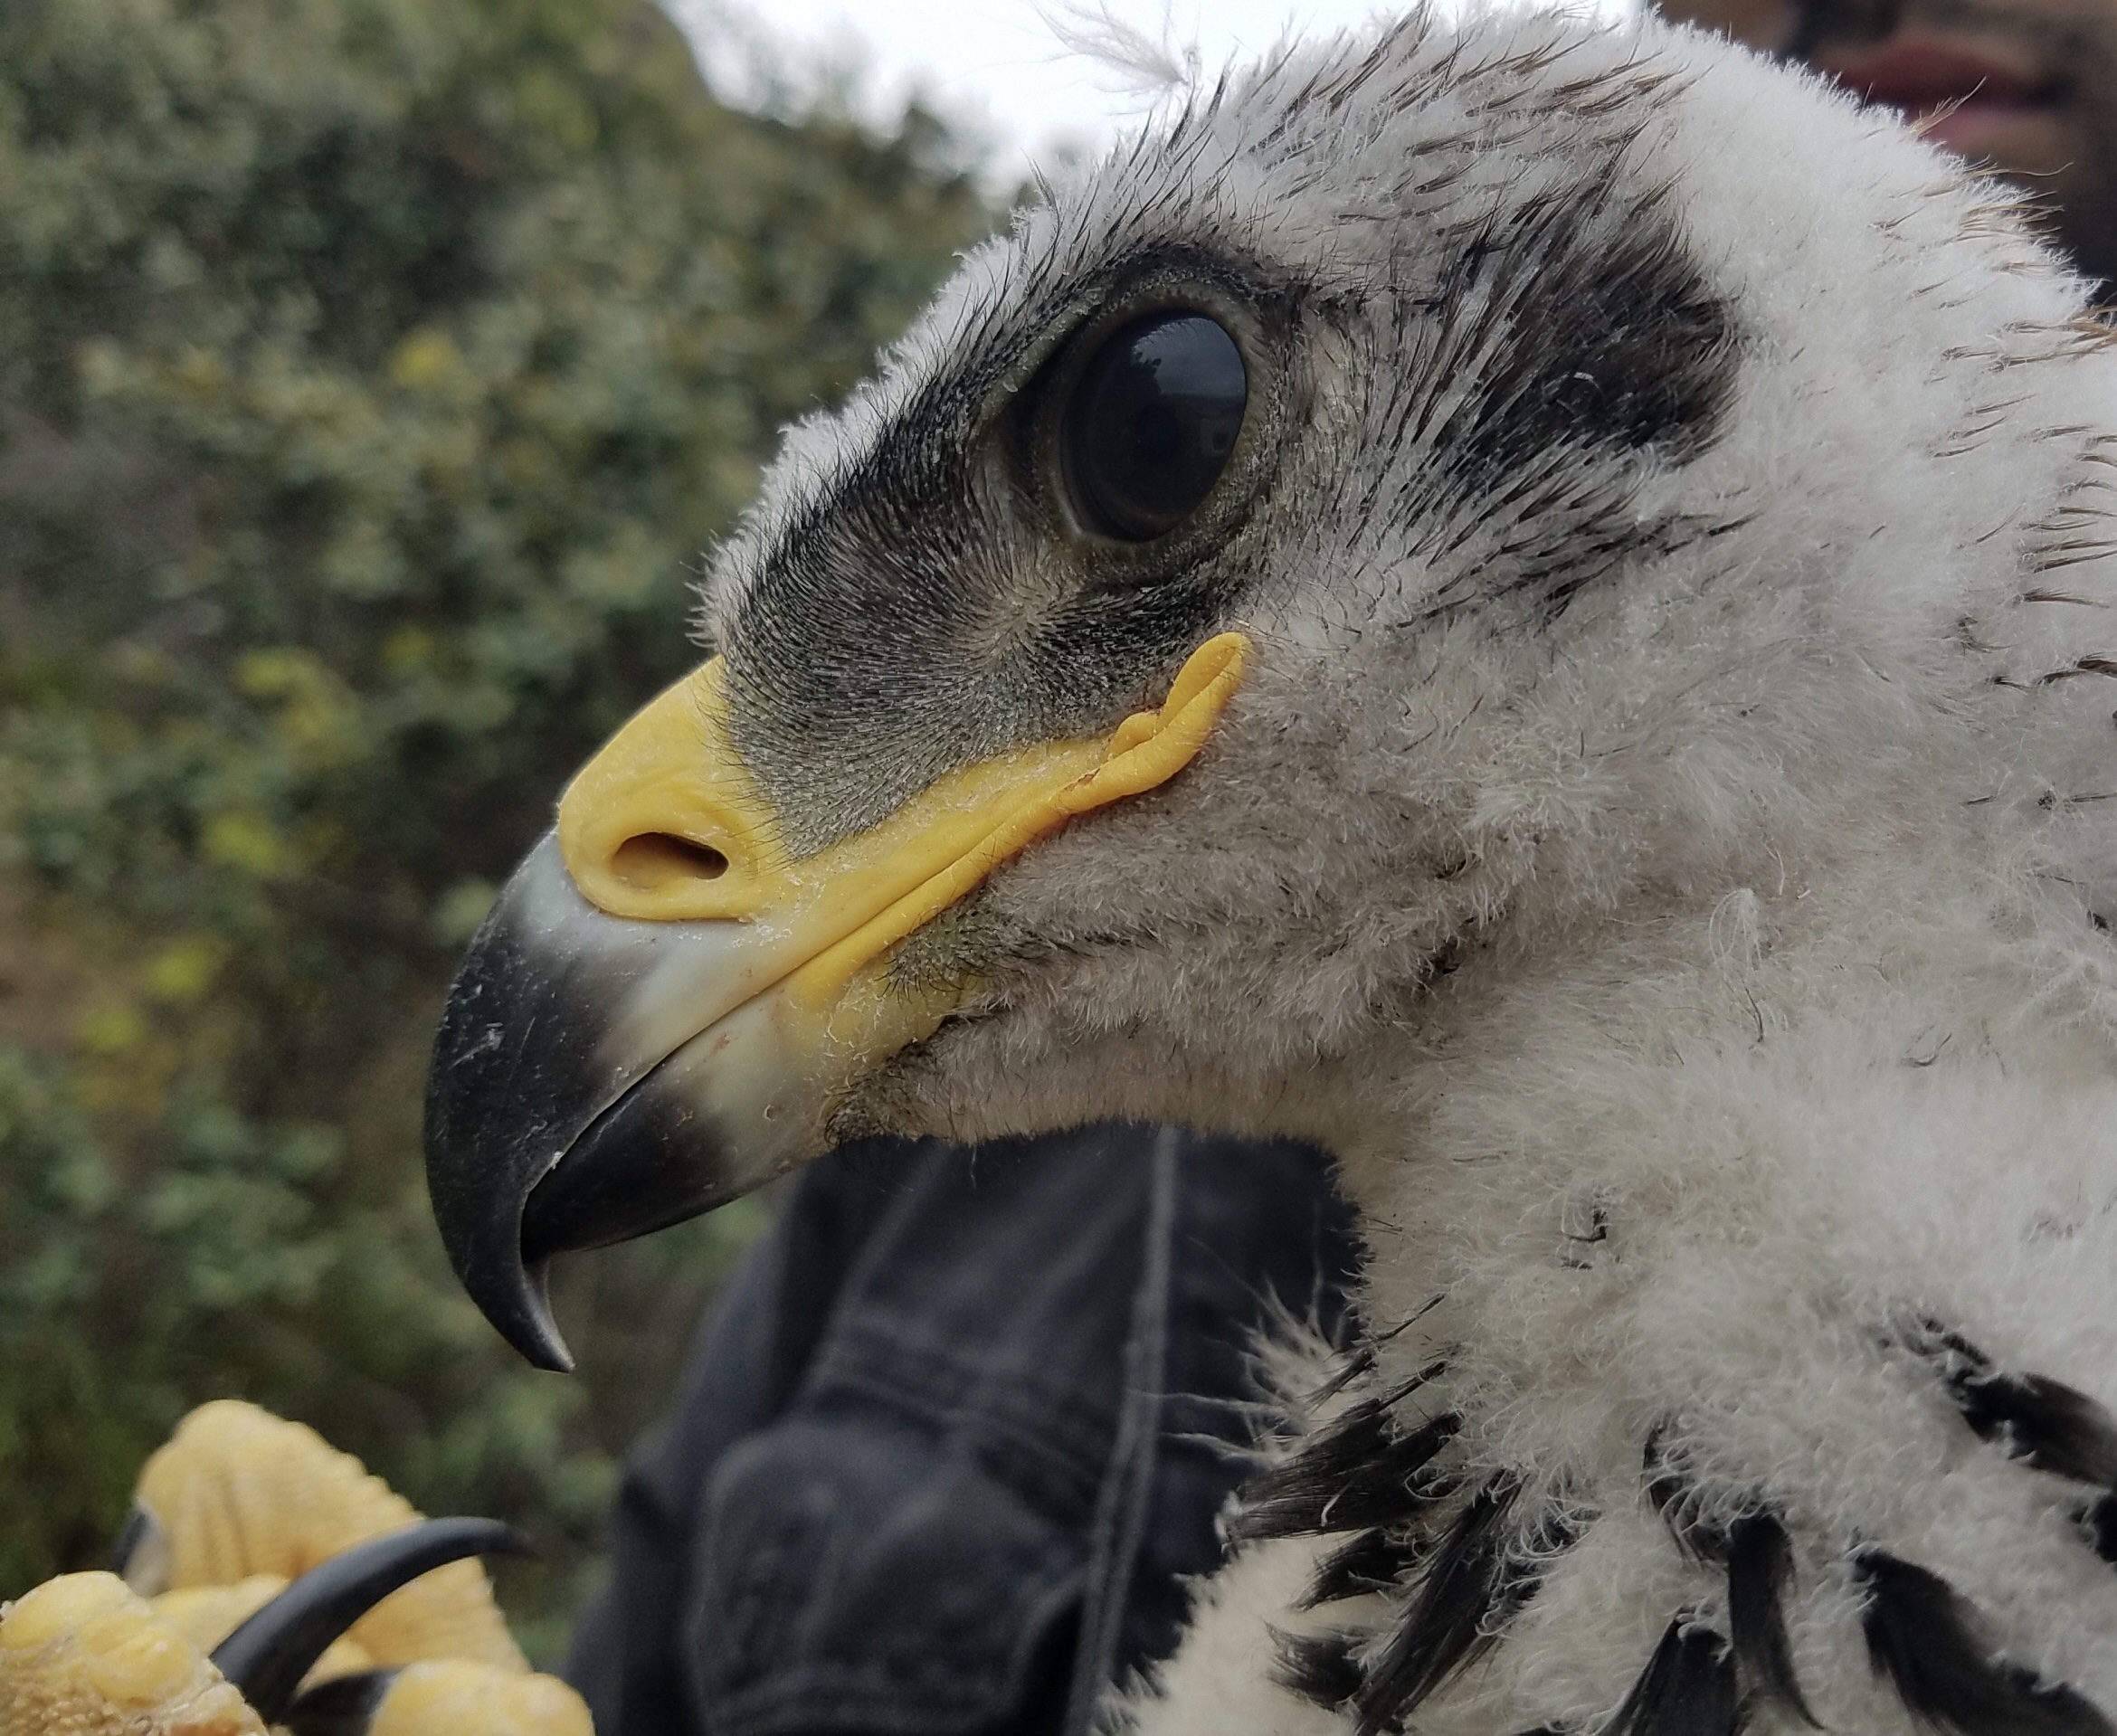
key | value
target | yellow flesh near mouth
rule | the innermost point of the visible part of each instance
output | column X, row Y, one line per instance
column 672, row 774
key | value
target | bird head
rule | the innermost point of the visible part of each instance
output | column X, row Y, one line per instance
column 1431, row 495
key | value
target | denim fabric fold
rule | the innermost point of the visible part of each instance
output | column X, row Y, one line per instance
column 956, row 1435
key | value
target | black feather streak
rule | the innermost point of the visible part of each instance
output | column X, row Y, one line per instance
column 1922, row 1634
column 1323, row 1668
column 1687, row 1688
column 1758, row 1555
column 1759, row 1569
column 2042, row 1422
column 1480, row 1576
column 1375, row 1560
column 2099, row 1521
column 1669, row 1488
column 1355, row 1474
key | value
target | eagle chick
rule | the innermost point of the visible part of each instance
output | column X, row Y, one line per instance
column 1529, row 602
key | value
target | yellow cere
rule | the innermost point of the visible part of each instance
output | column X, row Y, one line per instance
column 665, row 824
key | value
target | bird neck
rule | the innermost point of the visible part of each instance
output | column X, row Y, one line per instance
column 1536, row 1084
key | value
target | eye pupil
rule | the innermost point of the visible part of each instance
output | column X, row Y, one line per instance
column 1151, row 424
column 1155, row 435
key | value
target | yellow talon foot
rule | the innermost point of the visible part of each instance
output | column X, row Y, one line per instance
column 238, row 1492
column 83, row 1656
column 206, row 1615
column 454, row 1698
column 238, row 1504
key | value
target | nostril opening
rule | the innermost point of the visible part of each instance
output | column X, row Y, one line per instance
column 655, row 861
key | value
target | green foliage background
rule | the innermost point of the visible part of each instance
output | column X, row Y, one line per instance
column 371, row 372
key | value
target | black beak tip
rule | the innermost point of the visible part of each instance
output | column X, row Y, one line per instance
column 514, row 1296
column 481, row 1229
column 529, row 1327
column 512, row 1057
column 538, row 1143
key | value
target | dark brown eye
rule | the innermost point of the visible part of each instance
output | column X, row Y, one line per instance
column 1151, row 423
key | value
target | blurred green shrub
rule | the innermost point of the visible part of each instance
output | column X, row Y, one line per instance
column 371, row 371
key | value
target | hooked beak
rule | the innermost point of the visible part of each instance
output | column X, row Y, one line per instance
column 665, row 1006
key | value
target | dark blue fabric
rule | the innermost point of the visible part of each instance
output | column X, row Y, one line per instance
column 954, row 1437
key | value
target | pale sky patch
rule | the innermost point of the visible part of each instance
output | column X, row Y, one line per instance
column 995, row 69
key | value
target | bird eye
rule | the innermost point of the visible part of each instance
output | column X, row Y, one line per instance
column 1151, row 423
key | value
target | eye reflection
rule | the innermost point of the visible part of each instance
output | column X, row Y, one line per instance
column 1151, row 424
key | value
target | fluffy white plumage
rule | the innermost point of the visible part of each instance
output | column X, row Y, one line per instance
column 1782, row 1022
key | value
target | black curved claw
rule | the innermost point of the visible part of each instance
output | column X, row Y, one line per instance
column 140, row 1556
column 346, row 1705
column 269, row 1655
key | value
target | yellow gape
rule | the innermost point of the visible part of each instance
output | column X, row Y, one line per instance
column 665, row 824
